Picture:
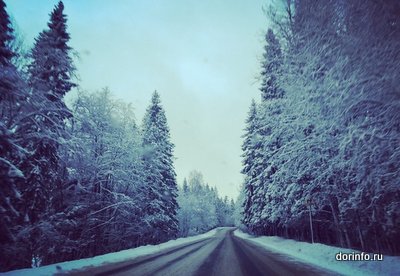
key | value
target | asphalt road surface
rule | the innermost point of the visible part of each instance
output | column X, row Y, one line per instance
column 222, row 254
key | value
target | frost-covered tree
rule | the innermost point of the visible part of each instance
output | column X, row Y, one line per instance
column 6, row 35
column 271, row 67
column 104, row 168
column 50, row 79
column 224, row 211
column 238, row 209
column 51, row 68
column 8, row 96
column 160, row 187
column 43, row 132
column 12, row 91
column 260, row 139
column 201, row 209
column 329, row 145
column 185, row 186
column 251, row 156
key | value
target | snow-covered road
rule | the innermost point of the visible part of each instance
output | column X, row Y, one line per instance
column 221, row 254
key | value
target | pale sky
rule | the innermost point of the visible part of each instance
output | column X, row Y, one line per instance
column 202, row 57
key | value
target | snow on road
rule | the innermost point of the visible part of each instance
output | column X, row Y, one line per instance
column 324, row 256
column 222, row 254
column 316, row 254
column 109, row 258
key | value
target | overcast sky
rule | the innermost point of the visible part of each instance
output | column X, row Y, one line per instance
column 203, row 58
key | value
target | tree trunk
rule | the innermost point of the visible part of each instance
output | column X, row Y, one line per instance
column 334, row 208
column 360, row 236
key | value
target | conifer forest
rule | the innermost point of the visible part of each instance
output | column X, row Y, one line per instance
column 325, row 135
column 320, row 144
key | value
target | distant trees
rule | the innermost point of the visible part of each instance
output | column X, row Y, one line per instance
column 332, row 136
column 200, row 208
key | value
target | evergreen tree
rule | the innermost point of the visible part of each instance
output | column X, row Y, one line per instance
column 50, row 79
column 185, row 186
column 271, row 67
column 160, row 189
column 263, row 124
column 220, row 209
column 238, row 213
column 11, row 151
column 6, row 36
column 43, row 194
column 251, row 153
column 200, row 207
column 51, row 68
column 328, row 145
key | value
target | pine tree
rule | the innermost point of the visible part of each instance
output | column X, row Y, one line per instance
column 160, row 189
column 49, row 79
column 185, row 186
column 6, row 36
column 51, row 69
column 271, row 67
column 251, row 147
column 9, row 149
column 7, row 89
column 268, row 117
column 11, row 88
column 12, row 151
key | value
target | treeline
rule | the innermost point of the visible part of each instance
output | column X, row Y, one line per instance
column 200, row 207
column 326, row 134
column 80, row 181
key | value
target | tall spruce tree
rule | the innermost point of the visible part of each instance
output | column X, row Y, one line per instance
column 52, row 68
column 271, row 67
column 6, row 36
column 270, row 130
column 11, row 151
column 160, row 190
column 7, row 89
column 262, row 138
column 50, row 79
column 251, row 152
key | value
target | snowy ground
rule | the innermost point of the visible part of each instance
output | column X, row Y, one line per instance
column 108, row 258
column 324, row 256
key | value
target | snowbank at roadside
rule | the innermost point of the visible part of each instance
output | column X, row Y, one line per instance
column 109, row 258
column 325, row 256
